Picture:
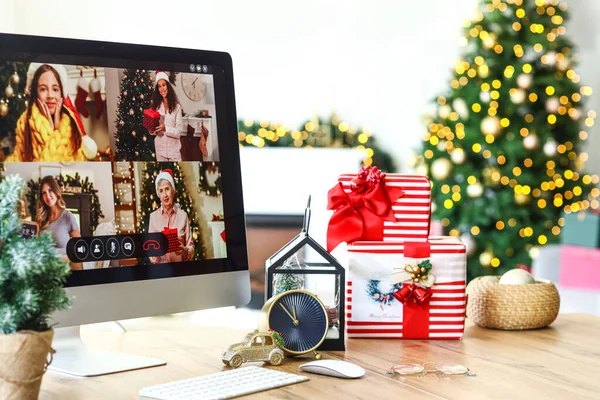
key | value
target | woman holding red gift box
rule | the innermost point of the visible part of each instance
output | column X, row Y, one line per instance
column 50, row 128
column 170, row 216
column 164, row 100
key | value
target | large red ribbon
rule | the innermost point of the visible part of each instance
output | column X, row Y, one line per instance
column 359, row 215
column 415, row 312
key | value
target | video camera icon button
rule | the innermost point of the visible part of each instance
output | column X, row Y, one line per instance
column 127, row 246
column 81, row 249
column 112, row 247
column 97, row 248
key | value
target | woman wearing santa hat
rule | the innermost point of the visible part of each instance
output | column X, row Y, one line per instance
column 168, row 216
column 164, row 100
column 50, row 128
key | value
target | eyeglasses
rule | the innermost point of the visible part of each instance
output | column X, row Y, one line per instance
column 414, row 369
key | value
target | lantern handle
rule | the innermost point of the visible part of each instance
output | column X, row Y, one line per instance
column 306, row 221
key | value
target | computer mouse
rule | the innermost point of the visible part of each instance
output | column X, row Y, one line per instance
column 336, row 368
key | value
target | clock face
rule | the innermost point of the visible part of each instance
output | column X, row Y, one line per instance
column 194, row 86
column 301, row 320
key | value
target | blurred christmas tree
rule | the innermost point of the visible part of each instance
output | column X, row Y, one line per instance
column 13, row 77
column 150, row 202
column 502, row 148
column 316, row 132
column 132, row 139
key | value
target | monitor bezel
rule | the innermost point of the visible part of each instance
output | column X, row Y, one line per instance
column 40, row 48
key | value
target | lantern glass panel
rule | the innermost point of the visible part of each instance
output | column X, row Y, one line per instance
column 308, row 270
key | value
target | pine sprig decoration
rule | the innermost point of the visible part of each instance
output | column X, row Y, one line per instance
column 277, row 338
column 32, row 274
column 426, row 264
column 329, row 132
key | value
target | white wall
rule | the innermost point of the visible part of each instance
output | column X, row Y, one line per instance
column 377, row 64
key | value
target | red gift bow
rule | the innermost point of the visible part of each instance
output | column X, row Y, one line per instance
column 347, row 223
column 411, row 294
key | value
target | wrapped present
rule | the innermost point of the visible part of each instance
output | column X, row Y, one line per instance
column 372, row 206
column 151, row 119
column 409, row 290
column 173, row 239
column 579, row 268
column 581, row 229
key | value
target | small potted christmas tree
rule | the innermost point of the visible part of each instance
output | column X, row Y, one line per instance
column 31, row 289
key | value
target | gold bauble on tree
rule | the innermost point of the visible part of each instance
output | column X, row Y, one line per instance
column 475, row 190
column 522, row 199
column 15, row 78
column 441, row 168
column 4, row 109
column 485, row 258
column 488, row 173
column 9, row 91
column 490, row 125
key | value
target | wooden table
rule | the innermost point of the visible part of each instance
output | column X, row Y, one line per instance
column 560, row 362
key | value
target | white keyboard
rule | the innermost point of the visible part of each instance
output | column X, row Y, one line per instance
column 223, row 385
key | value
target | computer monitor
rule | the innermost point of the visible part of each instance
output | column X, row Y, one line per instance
column 132, row 162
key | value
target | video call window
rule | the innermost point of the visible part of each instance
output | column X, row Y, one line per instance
column 116, row 152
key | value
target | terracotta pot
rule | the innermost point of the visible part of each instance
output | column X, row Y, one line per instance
column 23, row 362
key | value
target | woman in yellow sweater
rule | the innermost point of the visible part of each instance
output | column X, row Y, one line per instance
column 50, row 128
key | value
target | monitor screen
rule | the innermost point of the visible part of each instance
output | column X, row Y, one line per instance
column 129, row 155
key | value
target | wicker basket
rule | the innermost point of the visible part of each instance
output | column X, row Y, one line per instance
column 512, row 307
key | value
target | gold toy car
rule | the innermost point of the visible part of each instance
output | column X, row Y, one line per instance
column 256, row 346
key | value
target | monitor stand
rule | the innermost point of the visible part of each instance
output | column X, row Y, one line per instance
column 74, row 357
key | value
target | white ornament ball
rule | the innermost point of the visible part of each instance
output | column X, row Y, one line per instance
column 458, row 156
column 551, row 58
column 518, row 97
column 444, row 111
column 550, row 148
column 491, row 126
column 9, row 91
column 440, row 169
column 475, row 190
column 485, row 97
column 460, row 106
column 524, row 81
column 531, row 141
column 441, row 145
column 552, row 105
column 516, row 277
column 421, row 169
column 469, row 243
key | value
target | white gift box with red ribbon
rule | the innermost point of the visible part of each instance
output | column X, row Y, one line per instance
column 411, row 209
column 374, row 307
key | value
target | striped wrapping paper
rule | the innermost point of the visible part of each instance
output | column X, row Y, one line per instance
column 367, row 318
column 412, row 210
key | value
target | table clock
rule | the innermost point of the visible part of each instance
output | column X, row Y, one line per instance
column 301, row 319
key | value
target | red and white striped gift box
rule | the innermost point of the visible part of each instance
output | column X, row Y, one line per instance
column 412, row 209
column 442, row 318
